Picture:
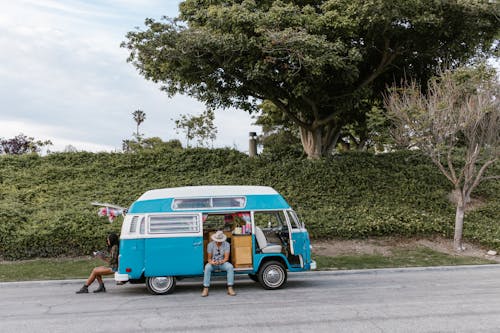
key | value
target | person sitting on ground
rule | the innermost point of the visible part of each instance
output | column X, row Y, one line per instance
column 218, row 259
column 97, row 273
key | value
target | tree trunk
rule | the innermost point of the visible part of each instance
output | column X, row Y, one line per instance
column 459, row 226
column 312, row 143
column 318, row 142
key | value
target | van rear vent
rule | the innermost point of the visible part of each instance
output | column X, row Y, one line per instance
column 133, row 224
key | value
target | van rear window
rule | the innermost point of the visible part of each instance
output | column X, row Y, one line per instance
column 174, row 224
column 216, row 202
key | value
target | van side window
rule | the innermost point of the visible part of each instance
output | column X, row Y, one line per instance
column 269, row 220
column 169, row 224
column 191, row 203
column 216, row 202
column 230, row 202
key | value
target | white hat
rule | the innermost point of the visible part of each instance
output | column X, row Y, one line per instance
column 219, row 236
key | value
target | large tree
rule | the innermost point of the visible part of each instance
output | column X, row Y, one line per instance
column 458, row 117
column 315, row 60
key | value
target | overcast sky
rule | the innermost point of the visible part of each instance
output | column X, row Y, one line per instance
column 63, row 77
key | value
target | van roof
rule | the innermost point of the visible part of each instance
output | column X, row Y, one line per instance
column 206, row 191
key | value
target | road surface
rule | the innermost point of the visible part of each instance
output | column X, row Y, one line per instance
column 458, row 299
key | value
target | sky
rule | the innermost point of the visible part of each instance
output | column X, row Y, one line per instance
column 64, row 77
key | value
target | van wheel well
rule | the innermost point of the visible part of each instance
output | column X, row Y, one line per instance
column 278, row 259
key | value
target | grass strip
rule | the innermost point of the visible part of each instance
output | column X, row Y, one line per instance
column 416, row 257
column 47, row 269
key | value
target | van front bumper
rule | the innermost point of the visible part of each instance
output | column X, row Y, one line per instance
column 313, row 264
column 121, row 277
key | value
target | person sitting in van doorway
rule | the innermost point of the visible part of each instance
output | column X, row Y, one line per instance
column 218, row 258
column 113, row 242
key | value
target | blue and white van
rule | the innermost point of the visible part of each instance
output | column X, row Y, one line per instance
column 165, row 234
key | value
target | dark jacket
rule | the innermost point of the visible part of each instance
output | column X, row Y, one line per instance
column 113, row 257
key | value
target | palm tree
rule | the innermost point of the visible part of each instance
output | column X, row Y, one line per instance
column 139, row 117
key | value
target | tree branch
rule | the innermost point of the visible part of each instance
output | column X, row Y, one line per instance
column 480, row 175
column 386, row 60
column 284, row 107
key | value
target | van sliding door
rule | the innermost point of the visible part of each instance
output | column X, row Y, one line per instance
column 174, row 245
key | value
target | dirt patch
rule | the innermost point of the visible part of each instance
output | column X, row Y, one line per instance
column 384, row 246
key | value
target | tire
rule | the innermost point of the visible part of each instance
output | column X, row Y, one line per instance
column 160, row 285
column 253, row 277
column 272, row 275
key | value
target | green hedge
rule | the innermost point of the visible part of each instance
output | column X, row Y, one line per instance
column 45, row 206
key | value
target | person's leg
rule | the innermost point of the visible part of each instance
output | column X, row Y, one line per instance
column 206, row 279
column 90, row 280
column 228, row 267
column 97, row 274
column 207, row 274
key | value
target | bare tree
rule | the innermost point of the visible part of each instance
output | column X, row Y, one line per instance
column 459, row 115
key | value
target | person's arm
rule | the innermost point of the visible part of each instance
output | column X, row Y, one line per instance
column 210, row 250
column 226, row 257
column 113, row 258
column 209, row 258
column 101, row 255
column 227, row 249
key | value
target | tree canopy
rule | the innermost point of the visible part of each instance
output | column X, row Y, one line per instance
column 315, row 60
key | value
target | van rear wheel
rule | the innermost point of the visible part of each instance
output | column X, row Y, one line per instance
column 272, row 275
column 160, row 285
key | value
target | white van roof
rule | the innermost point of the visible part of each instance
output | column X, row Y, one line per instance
column 206, row 191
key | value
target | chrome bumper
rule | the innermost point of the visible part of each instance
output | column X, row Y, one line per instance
column 121, row 277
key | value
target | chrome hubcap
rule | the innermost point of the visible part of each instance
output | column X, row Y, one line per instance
column 161, row 283
column 273, row 276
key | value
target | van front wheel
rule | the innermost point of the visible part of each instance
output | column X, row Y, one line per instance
column 272, row 275
column 160, row 285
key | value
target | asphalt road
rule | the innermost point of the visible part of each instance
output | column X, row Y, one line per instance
column 460, row 299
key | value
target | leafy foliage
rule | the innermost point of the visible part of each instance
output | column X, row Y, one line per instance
column 45, row 206
column 153, row 143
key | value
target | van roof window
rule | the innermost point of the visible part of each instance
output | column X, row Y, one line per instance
column 215, row 202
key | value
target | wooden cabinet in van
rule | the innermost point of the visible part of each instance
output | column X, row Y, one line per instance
column 241, row 250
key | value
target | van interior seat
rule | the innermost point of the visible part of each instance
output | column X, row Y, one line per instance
column 264, row 246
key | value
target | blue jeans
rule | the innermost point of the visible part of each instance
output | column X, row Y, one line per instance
column 209, row 268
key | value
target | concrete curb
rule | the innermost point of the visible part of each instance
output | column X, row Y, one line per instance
column 21, row 284
column 403, row 269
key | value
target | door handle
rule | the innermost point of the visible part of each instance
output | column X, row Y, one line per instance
column 197, row 243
